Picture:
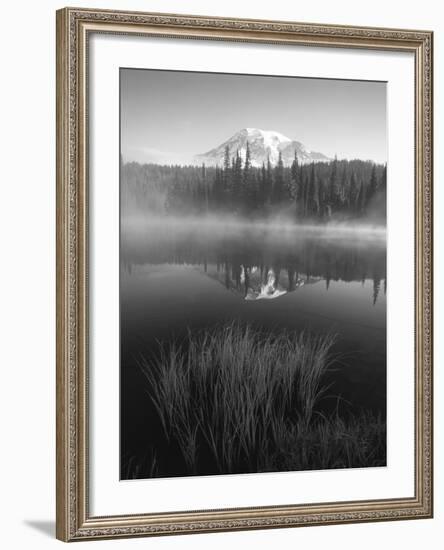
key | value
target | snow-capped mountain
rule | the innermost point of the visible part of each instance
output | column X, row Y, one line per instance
column 263, row 144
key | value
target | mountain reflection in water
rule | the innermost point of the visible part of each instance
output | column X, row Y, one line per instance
column 261, row 262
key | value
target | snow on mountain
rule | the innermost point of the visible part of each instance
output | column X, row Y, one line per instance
column 263, row 144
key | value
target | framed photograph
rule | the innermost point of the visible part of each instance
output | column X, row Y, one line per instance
column 244, row 274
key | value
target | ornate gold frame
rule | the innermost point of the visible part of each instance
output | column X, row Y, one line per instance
column 73, row 519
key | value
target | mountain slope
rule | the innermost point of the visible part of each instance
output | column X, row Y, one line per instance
column 263, row 144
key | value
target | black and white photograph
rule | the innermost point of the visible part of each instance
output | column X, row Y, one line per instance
column 252, row 274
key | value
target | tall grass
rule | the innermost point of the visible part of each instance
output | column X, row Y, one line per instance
column 233, row 399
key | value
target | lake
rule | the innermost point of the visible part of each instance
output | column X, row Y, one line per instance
column 185, row 275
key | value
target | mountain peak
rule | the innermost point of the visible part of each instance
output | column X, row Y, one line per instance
column 264, row 145
column 267, row 135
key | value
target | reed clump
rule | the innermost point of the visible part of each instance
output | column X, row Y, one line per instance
column 236, row 400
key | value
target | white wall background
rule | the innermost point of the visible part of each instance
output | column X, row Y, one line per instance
column 27, row 305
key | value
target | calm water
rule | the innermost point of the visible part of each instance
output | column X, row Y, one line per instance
column 176, row 277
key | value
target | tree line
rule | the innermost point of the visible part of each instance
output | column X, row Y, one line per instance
column 319, row 191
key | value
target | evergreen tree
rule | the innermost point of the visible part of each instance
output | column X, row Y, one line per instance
column 248, row 184
column 373, row 185
column 361, row 201
column 226, row 159
column 205, row 188
column 342, row 189
column 263, row 190
column 383, row 184
column 231, row 185
column 269, row 195
column 279, row 183
column 353, row 193
column 247, row 164
column 237, row 183
column 295, row 178
column 382, row 189
column 218, row 190
column 226, row 176
column 333, row 191
column 312, row 193
column 302, row 209
column 323, row 198
column 295, row 167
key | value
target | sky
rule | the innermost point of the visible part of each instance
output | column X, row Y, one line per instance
column 169, row 116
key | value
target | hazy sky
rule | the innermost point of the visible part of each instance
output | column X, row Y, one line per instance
column 171, row 115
